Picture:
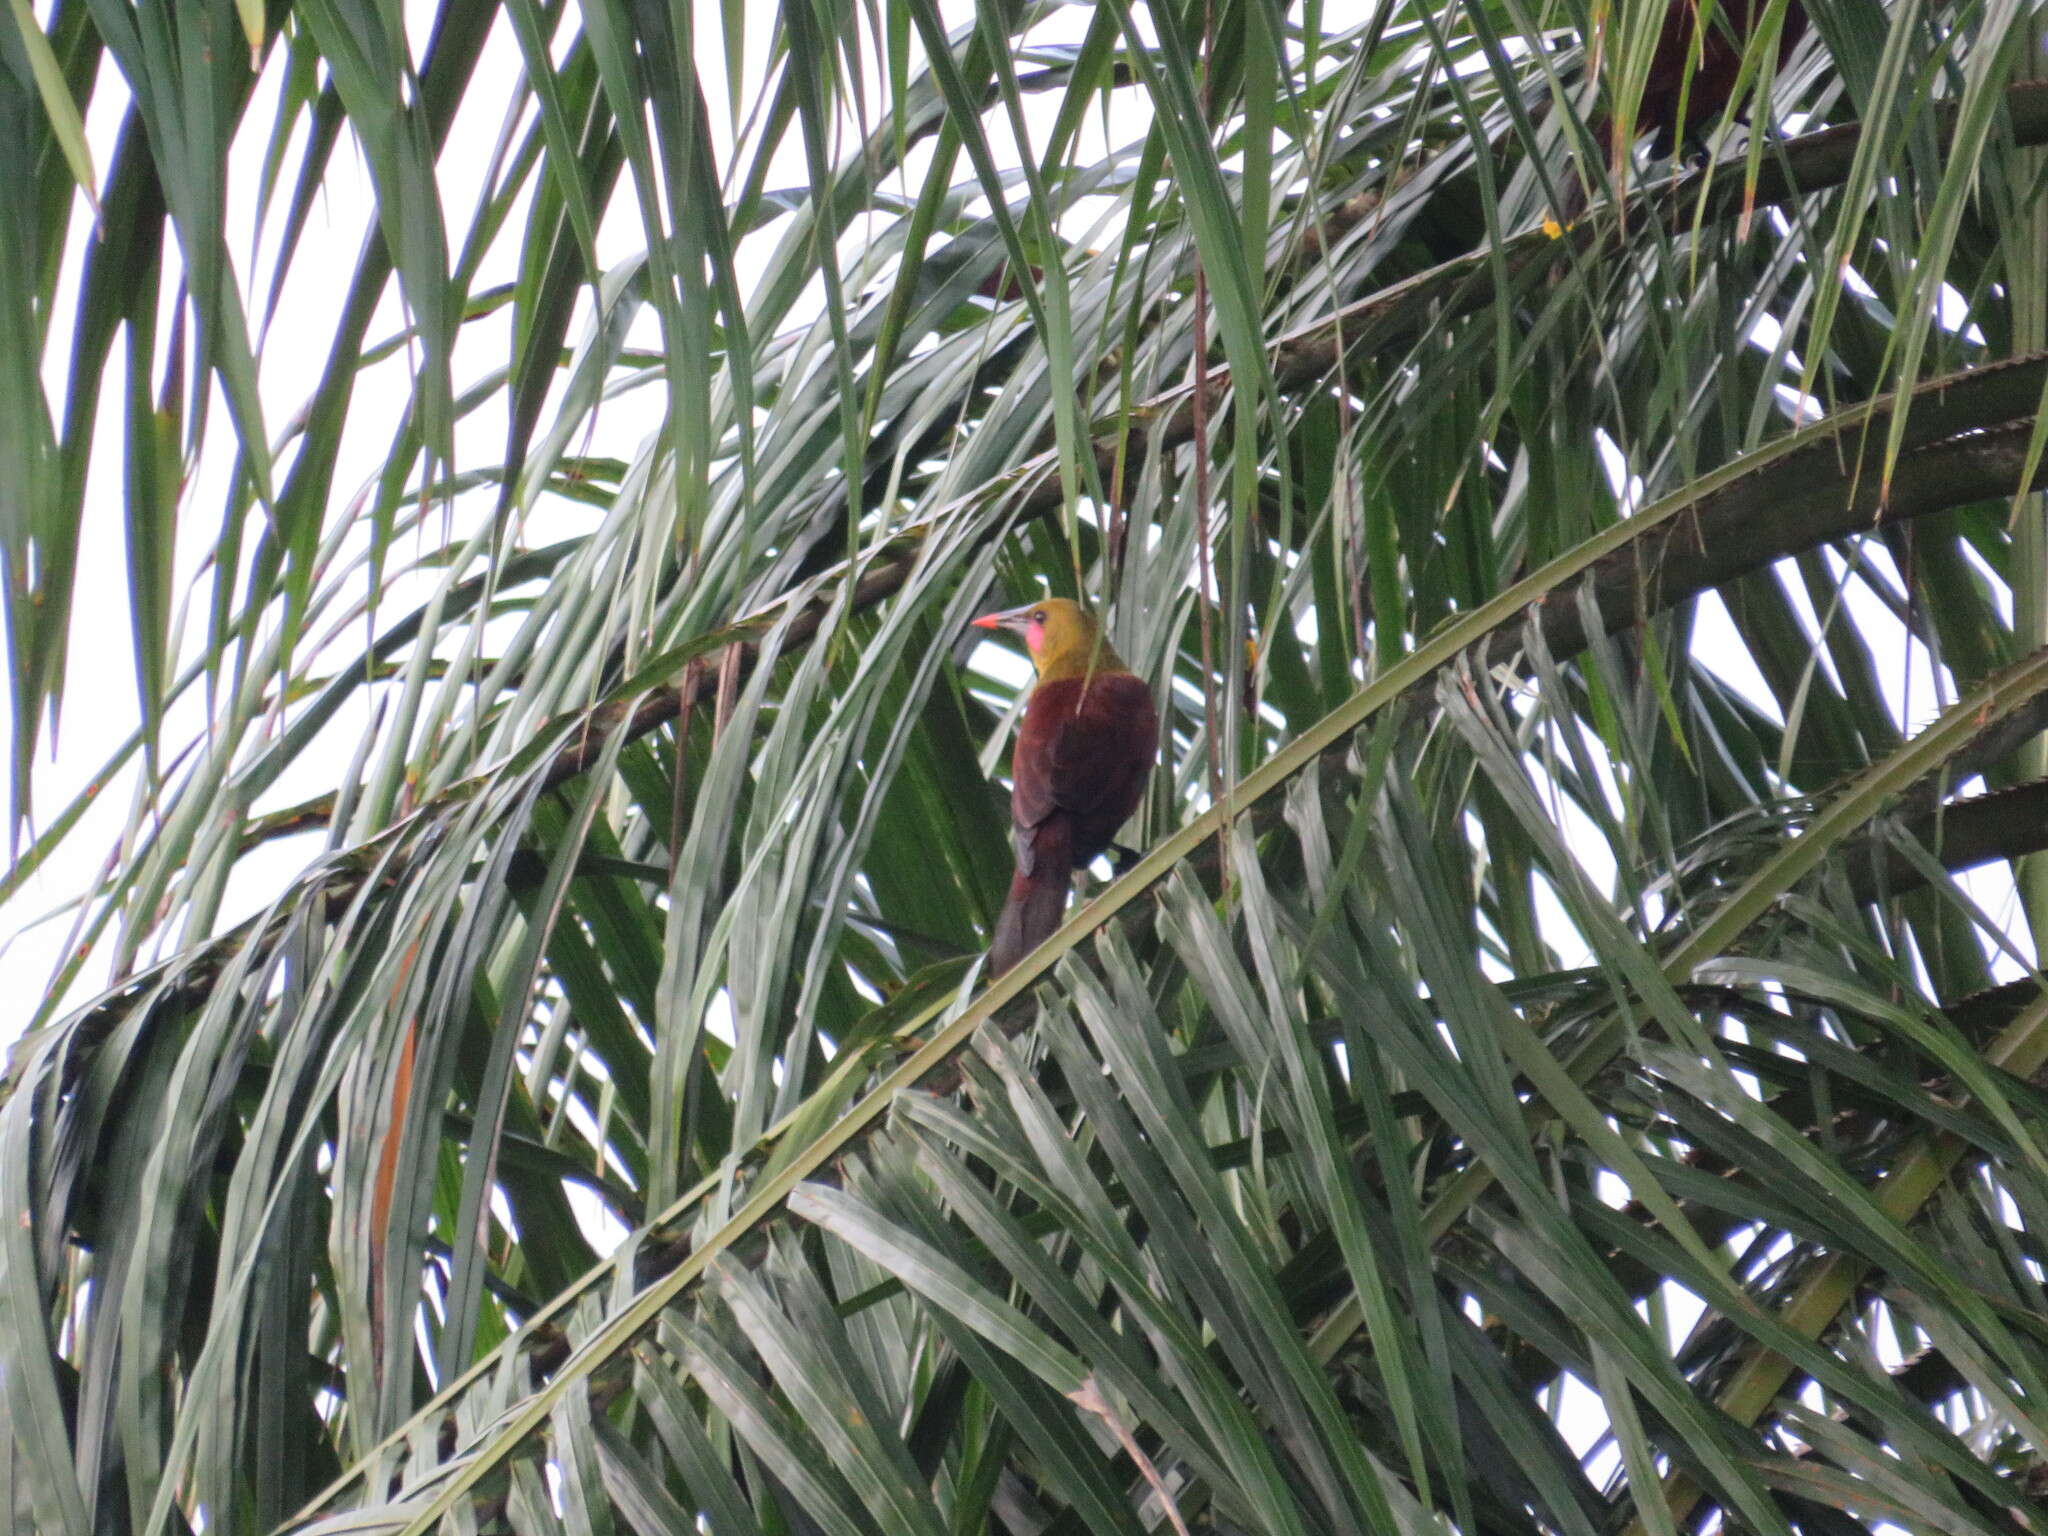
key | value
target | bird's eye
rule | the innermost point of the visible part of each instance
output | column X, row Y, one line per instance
column 1038, row 617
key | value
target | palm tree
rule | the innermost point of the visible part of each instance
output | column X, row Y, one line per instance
column 1569, row 1057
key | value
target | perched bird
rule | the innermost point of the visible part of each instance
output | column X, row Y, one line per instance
column 1683, row 96
column 1090, row 735
column 1720, row 65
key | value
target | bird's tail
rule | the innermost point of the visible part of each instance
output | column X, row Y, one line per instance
column 1038, row 897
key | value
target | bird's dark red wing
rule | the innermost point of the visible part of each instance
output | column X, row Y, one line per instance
column 1084, row 748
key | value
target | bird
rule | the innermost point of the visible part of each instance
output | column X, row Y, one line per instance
column 1089, row 738
column 1681, row 95
column 1714, row 76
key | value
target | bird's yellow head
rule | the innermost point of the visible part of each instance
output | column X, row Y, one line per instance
column 1065, row 639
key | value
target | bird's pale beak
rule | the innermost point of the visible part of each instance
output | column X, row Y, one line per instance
column 1014, row 618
